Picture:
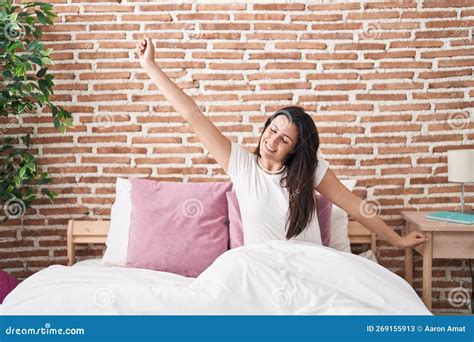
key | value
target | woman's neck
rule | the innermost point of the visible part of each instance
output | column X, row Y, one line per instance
column 270, row 165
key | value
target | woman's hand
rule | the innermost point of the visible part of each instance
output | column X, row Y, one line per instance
column 412, row 239
column 146, row 52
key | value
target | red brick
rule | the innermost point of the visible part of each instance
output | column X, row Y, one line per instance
column 278, row 7
column 446, row 3
column 428, row 14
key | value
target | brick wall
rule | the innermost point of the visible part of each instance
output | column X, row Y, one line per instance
column 389, row 85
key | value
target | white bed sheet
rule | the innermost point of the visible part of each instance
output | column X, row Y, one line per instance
column 278, row 277
column 89, row 262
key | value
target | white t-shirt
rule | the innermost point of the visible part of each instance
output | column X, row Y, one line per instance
column 263, row 202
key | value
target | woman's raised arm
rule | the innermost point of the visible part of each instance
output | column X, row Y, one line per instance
column 213, row 140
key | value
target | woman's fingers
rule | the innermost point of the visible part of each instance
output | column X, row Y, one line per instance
column 142, row 45
column 139, row 45
column 140, row 48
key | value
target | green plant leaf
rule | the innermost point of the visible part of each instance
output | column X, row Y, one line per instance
column 43, row 85
column 46, row 61
column 22, row 172
column 31, row 166
column 42, row 99
column 26, row 139
column 41, row 17
column 20, row 70
column 8, row 140
column 47, row 52
column 37, row 60
column 57, row 122
column 30, row 198
column 27, row 157
column 35, row 45
column 5, row 147
column 7, row 74
column 41, row 72
column 51, row 194
column 15, row 46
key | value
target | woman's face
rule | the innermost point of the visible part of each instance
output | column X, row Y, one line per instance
column 279, row 139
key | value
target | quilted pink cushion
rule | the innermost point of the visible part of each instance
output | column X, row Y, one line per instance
column 7, row 284
column 236, row 236
column 177, row 227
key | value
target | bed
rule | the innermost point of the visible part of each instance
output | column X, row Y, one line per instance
column 275, row 278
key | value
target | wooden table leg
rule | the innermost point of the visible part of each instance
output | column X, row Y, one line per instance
column 409, row 265
column 427, row 271
column 71, row 253
column 373, row 243
column 408, row 258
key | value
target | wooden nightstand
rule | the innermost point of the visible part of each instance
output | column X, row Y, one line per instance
column 446, row 240
column 360, row 234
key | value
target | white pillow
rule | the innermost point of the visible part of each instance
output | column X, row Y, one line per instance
column 117, row 238
column 368, row 254
column 339, row 223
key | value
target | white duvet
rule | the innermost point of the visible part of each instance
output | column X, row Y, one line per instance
column 278, row 277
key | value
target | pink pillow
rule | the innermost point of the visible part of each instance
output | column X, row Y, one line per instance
column 324, row 209
column 177, row 227
column 236, row 236
column 7, row 284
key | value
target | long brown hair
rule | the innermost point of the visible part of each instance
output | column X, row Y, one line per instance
column 301, row 167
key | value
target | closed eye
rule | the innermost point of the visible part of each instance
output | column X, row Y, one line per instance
column 275, row 131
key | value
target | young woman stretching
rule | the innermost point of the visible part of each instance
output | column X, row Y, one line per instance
column 275, row 185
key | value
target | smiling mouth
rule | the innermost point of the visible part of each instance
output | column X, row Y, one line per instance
column 268, row 148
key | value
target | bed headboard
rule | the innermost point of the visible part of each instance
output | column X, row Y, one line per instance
column 92, row 231
column 83, row 232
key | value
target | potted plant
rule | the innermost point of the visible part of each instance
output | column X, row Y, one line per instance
column 26, row 87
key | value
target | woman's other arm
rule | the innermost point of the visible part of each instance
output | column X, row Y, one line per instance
column 332, row 188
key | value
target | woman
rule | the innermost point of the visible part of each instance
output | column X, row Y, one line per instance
column 275, row 185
